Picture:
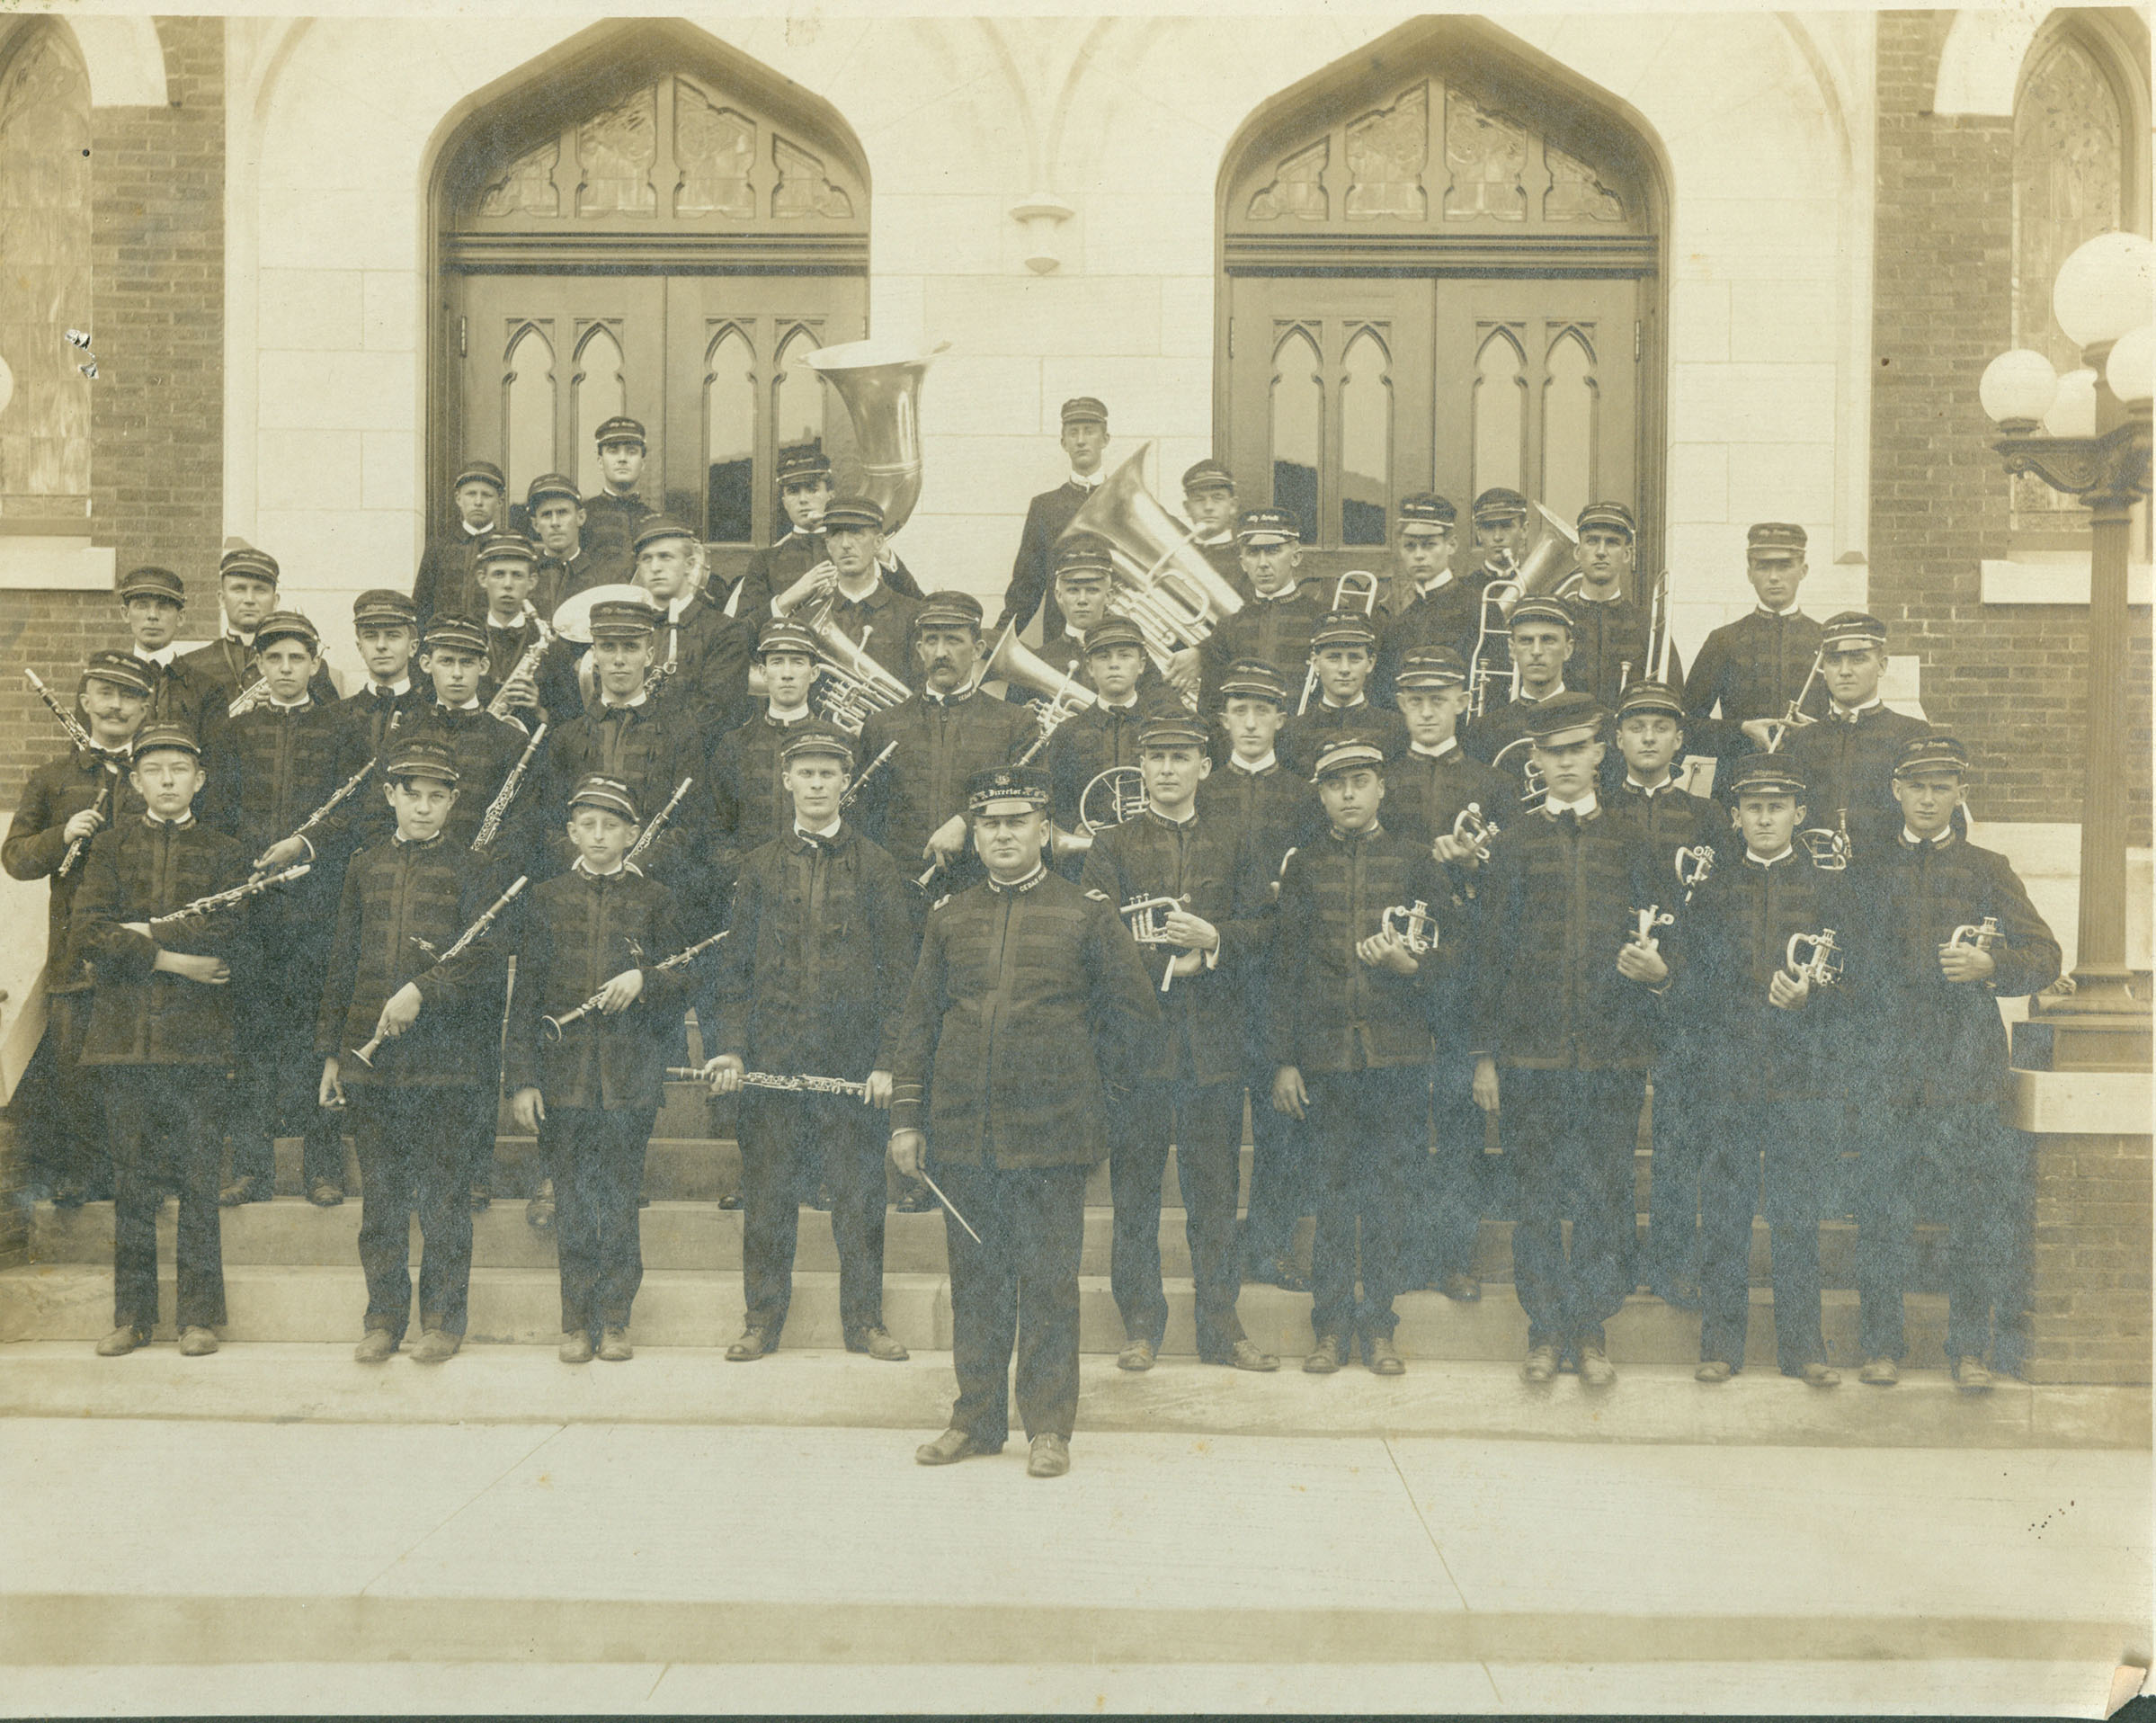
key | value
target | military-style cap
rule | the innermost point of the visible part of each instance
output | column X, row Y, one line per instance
column 1343, row 628
column 1253, row 678
column 423, row 758
column 595, row 789
column 622, row 618
column 1938, row 752
column 1777, row 539
column 1208, row 475
column 151, row 583
column 503, row 547
column 1847, row 629
column 803, row 463
column 1083, row 557
column 1499, row 504
column 1614, row 516
column 1564, row 716
column 380, row 607
column 1427, row 508
column 860, row 513
column 456, row 633
column 1084, row 409
column 782, row 634
column 1649, row 697
column 621, row 428
column 1262, row 526
column 949, row 609
column 1113, row 631
column 1007, row 790
column 151, row 738
column 660, row 526
column 1541, row 610
column 479, row 472
column 1173, row 731
column 817, row 739
column 1766, row 774
column 287, row 625
column 244, row 562
column 1345, row 755
column 1439, row 667
column 122, row 669
column 552, row 485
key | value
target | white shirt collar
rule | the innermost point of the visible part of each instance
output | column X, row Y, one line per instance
column 1944, row 835
column 1788, row 610
column 1254, row 767
column 471, row 532
column 1278, row 597
column 1330, row 705
column 1523, row 698
column 514, row 626
column 471, row 705
column 824, row 832
column 294, row 705
column 1085, row 482
column 613, row 705
column 675, row 606
column 158, row 819
column 1837, row 709
column 1123, row 705
column 402, row 685
column 1450, row 745
column 1631, row 782
column 163, row 655
column 589, row 873
column 790, row 715
column 1759, row 861
column 1587, row 804
column 1436, row 583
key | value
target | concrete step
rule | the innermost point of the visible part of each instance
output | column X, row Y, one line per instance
column 684, row 1308
column 679, row 1235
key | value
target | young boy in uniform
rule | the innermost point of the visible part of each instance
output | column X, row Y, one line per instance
column 748, row 792
column 444, row 580
column 247, row 590
column 385, row 625
column 1084, row 587
column 506, row 566
column 1343, row 651
column 1276, row 625
column 600, row 931
column 160, row 1033
column 1105, row 733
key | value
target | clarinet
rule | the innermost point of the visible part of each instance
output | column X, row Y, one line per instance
column 342, row 794
column 868, row 772
column 490, row 824
column 551, row 1028
column 462, row 943
column 645, row 837
column 78, row 734
column 236, row 894
column 498, row 707
column 774, row 1080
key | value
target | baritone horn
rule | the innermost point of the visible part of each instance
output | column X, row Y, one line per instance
column 852, row 687
column 1163, row 582
column 1016, row 666
column 879, row 381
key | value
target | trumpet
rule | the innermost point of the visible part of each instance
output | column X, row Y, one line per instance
column 1148, row 919
column 551, row 1028
column 1162, row 584
column 1814, row 958
column 500, row 706
column 1695, row 862
column 1981, row 938
column 774, row 1080
column 1829, row 847
column 78, row 734
column 852, row 687
column 1650, row 918
column 853, row 789
column 490, row 823
column 1469, row 828
column 645, row 838
column 462, row 943
column 239, row 893
column 1796, row 718
column 1412, row 925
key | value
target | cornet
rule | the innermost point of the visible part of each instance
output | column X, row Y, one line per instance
column 1695, row 862
column 1412, row 925
column 1650, row 918
column 1469, row 828
column 1534, row 787
column 1981, row 938
column 1829, row 847
column 1148, row 919
column 1814, row 957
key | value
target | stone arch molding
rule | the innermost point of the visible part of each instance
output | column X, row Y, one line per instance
column 1980, row 63
column 122, row 56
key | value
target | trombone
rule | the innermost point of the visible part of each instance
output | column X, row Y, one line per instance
column 1794, row 719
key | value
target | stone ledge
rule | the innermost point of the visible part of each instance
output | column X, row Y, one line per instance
column 2051, row 580
column 56, row 562
column 2083, row 1104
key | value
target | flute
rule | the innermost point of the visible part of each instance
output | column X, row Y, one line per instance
column 462, row 943
column 551, row 1028
column 773, row 1080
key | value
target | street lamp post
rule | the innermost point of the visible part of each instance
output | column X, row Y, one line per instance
column 2088, row 435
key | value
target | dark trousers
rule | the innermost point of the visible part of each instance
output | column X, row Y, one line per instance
column 1683, row 1126
column 165, row 1128
column 1032, row 1226
column 1969, row 1154
column 409, row 1163
column 1368, row 1129
column 1451, row 1194
column 470, row 1118
column 60, row 1106
column 1786, row 1135
column 779, row 1131
column 1205, row 1121
column 1282, row 1186
column 277, row 988
column 598, row 1237
column 1571, row 1136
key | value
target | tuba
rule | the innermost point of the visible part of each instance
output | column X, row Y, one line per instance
column 1542, row 572
column 852, row 687
column 1175, row 596
column 1011, row 663
column 879, row 381
column 1546, row 568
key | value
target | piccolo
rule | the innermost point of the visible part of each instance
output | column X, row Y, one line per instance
column 551, row 1028
column 868, row 772
column 773, row 1080
column 490, row 823
column 462, row 943
column 78, row 734
column 645, row 837
column 236, row 894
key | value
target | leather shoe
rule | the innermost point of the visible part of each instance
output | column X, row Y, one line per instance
column 1879, row 1372
column 198, row 1342
column 952, row 1446
column 1541, row 1364
column 878, row 1344
column 731, row 1201
column 1138, row 1355
column 575, row 1348
column 243, row 1191
column 482, row 1199
column 1817, row 1375
column 1382, row 1356
column 1462, row 1288
column 614, row 1347
column 1971, row 1376
column 1327, row 1356
column 538, row 1213
column 1595, row 1371
column 1050, row 1458
column 1246, row 1354
column 915, row 1199
column 436, row 1347
column 122, row 1341
column 324, row 1195
column 752, row 1344
column 375, row 1347
column 1714, row 1370
column 1279, row 1271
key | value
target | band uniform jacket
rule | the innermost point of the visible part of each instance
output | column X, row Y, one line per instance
column 702, row 655
column 1448, row 614
column 781, row 564
column 1330, row 1012
column 1275, row 629
column 577, row 932
column 881, row 624
column 1610, row 642
column 182, row 693
column 1205, row 861
column 1032, row 588
column 1025, row 1004
column 1271, row 812
column 404, row 904
column 1498, row 727
column 942, row 742
column 750, row 804
column 1750, row 668
column 610, row 520
column 1306, row 735
column 1557, row 902
column 1920, row 1037
column 485, row 749
column 1849, row 762
column 553, row 679
column 561, row 578
column 651, row 747
column 37, row 842
column 268, row 770
column 227, row 665
column 138, row 871
column 1426, row 793
column 818, row 953
column 1671, row 819
column 442, row 585
column 1090, row 742
column 1067, row 652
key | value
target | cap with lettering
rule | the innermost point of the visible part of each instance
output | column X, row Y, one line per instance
column 857, row 514
column 151, row 738
column 1112, row 631
column 151, row 583
column 819, row 740
column 622, row 618
column 1938, row 752
column 949, row 609
column 1848, row 629
column 1083, row 557
column 1776, row 540
column 1263, row 526
column 802, row 463
column 1343, row 628
column 383, row 607
column 1500, row 503
column 1564, row 717
column 1345, row 755
column 1436, row 668
column 1766, row 774
column 422, row 757
column 552, row 485
column 1649, row 697
column 621, row 428
column 1253, row 678
column 1007, row 790
column 1428, row 509
column 122, row 669
column 660, row 527
column 782, row 634
column 455, row 634
column 1173, row 731
column 503, row 547
column 1541, row 609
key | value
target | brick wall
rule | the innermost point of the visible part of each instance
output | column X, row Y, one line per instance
column 158, row 315
column 2090, row 1320
column 2008, row 678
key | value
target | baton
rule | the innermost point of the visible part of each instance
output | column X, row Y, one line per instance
column 950, row 1208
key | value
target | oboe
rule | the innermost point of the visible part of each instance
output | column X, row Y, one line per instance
column 551, row 1028
column 774, row 1080
column 78, row 734
column 237, row 893
column 490, row 824
column 644, row 838
column 867, row 773
column 462, row 943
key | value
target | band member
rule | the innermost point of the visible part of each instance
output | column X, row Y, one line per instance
column 1750, row 670
column 1353, row 973
column 1427, row 605
column 385, row 625
column 751, row 805
column 160, row 1033
column 594, row 937
column 1645, row 791
column 703, row 654
column 570, row 563
column 505, row 565
column 484, row 747
column 64, row 803
column 1213, row 897
column 1433, row 780
column 1022, row 1008
column 1209, row 505
column 1275, row 626
column 1540, row 632
column 1612, row 622
column 1085, row 443
column 819, row 949
column 1563, row 1005
column 151, row 600
column 1849, row 756
column 859, row 601
column 247, row 581
column 1083, row 587
column 1343, row 651
column 442, row 581
column 269, row 769
column 428, row 1029
column 798, row 568
column 1934, row 1051
column 613, row 514
column 1105, row 735
column 1272, row 811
